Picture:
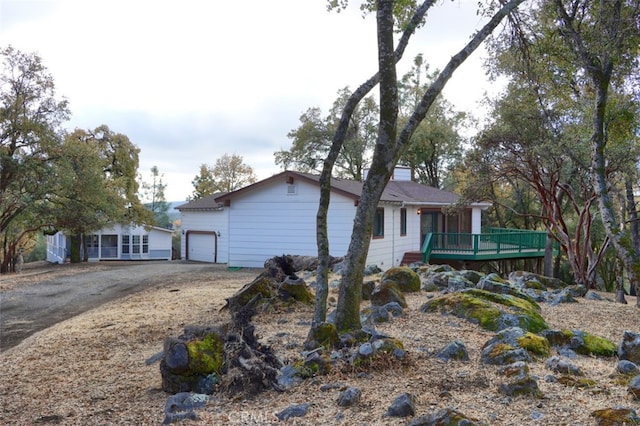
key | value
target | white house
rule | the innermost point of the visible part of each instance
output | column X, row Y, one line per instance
column 118, row 242
column 277, row 216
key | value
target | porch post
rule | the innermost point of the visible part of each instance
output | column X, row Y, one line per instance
column 476, row 220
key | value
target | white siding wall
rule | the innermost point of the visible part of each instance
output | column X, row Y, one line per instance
column 388, row 251
column 270, row 222
column 159, row 244
column 212, row 221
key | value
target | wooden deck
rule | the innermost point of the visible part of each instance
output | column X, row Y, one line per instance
column 496, row 244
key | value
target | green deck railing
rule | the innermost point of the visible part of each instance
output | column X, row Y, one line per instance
column 495, row 243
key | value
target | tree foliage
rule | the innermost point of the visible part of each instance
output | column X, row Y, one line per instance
column 436, row 143
column 155, row 200
column 312, row 140
column 30, row 118
column 228, row 174
column 96, row 185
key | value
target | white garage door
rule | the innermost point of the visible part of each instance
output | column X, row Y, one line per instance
column 202, row 247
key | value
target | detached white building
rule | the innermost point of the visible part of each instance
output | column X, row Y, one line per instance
column 118, row 242
column 277, row 216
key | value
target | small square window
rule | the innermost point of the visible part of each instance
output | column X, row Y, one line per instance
column 378, row 224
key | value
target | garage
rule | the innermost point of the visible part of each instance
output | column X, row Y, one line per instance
column 202, row 246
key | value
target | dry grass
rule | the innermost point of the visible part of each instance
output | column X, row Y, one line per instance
column 91, row 369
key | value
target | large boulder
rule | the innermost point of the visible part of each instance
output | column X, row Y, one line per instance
column 386, row 292
column 581, row 342
column 537, row 281
column 406, row 279
column 491, row 311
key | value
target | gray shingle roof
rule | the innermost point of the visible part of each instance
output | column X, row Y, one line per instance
column 396, row 190
column 205, row 203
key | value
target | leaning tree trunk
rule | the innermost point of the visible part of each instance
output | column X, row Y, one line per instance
column 388, row 151
column 350, row 292
column 626, row 251
column 634, row 226
column 599, row 66
column 322, row 280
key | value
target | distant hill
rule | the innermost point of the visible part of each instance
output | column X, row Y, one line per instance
column 173, row 213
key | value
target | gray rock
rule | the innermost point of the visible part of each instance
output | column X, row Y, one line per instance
column 560, row 296
column 504, row 348
column 349, row 397
column 526, row 385
column 365, row 349
column 181, row 406
column 288, row 377
column 374, row 315
column 394, row 309
column 634, row 387
column 402, row 406
column 207, row 384
column 446, row 416
column 591, row 295
column 455, row 350
column 559, row 365
column 386, row 292
column 627, row 367
column 629, row 348
column 299, row 410
column 371, row 270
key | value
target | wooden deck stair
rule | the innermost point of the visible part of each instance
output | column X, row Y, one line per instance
column 411, row 257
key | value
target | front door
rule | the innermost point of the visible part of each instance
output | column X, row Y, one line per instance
column 429, row 223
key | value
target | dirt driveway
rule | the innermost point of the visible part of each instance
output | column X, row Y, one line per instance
column 40, row 297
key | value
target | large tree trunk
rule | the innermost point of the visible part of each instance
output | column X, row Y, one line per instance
column 599, row 66
column 350, row 293
column 634, row 226
column 74, row 249
column 322, row 285
column 624, row 247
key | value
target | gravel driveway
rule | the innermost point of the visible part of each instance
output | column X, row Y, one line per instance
column 28, row 308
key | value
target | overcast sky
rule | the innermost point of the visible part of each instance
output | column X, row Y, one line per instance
column 188, row 81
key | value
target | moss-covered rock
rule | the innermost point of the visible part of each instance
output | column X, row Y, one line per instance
column 503, row 348
column 445, row 417
column 387, row 291
column 505, row 288
column 193, row 362
column 526, row 385
column 471, row 275
column 387, row 345
column 577, row 382
column 491, row 311
column 206, row 355
column 536, row 280
column 406, row 279
column 324, row 334
column 534, row 344
column 616, row 416
column 581, row 342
